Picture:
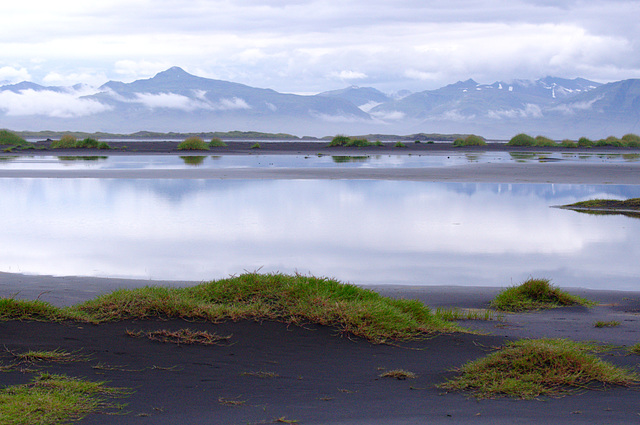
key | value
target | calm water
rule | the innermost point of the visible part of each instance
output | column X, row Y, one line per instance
column 365, row 232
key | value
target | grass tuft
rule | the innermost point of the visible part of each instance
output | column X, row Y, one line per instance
column 9, row 138
column 540, row 367
column 522, row 140
column 399, row 374
column 256, row 146
column 534, row 294
column 11, row 309
column 182, row 336
column 606, row 324
column 56, row 356
column 54, row 399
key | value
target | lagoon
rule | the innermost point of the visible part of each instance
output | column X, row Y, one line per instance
column 366, row 232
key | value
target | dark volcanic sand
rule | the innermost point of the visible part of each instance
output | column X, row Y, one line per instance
column 324, row 377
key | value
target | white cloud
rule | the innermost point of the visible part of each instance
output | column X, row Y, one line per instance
column 571, row 108
column 348, row 75
column 9, row 74
column 48, row 103
column 530, row 111
column 369, row 106
column 185, row 103
column 391, row 45
column 388, row 115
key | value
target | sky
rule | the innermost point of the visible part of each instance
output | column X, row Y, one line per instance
column 300, row 46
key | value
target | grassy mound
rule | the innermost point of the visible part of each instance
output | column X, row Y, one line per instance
column 193, row 143
column 217, row 143
column 531, row 368
column 522, row 140
column 349, row 142
column 534, row 294
column 291, row 299
column 470, row 140
column 66, row 142
column 9, row 138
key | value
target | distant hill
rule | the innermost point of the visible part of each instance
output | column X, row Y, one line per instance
column 176, row 101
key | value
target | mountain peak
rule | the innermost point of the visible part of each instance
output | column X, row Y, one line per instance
column 173, row 72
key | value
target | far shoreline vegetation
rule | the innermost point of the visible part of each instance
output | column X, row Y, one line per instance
column 196, row 141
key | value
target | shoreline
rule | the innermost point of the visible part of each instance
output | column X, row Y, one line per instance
column 556, row 171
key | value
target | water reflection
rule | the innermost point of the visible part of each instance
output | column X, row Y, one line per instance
column 436, row 159
column 367, row 232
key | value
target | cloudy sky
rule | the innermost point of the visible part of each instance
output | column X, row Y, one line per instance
column 308, row 46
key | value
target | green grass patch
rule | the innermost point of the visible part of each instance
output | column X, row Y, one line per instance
column 339, row 140
column 217, row 143
column 606, row 324
column 399, row 145
column 631, row 140
column 635, row 349
column 534, row 294
column 566, row 143
column 193, row 143
column 11, row 309
column 470, row 140
column 294, row 299
column 542, row 141
column 54, row 399
column 468, row 314
column 193, row 160
column 256, row 146
column 538, row 367
column 346, row 141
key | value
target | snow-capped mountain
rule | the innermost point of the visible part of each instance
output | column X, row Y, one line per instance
column 174, row 100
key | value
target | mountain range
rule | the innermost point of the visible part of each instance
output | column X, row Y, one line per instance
column 174, row 100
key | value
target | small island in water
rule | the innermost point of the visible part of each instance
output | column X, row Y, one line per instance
column 629, row 207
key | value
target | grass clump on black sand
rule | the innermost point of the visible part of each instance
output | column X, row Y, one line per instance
column 293, row 299
column 9, row 138
column 193, row 143
column 470, row 140
column 538, row 367
column 607, row 204
column 182, row 336
column 67, row 141
column 217, row 143
column 12, row 309
column 347, row 141
column 54, row 399
column 535, row 294
column 56, row 356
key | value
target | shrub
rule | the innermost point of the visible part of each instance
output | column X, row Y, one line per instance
column 470, row 140
column 566, row 143
column 9, row 138
column 88, row 143
column 359, row 143
column 379, row 143
column 534, row 294
column 610, row 141
column 544, row 141
column 255, row 146
column 631, row 140
column 522, row 140
column 194, row 143
column 400, row 145
column 339, row 140
column 217, row 143
column 583, row 142
column 66, row 142
column 104, row 146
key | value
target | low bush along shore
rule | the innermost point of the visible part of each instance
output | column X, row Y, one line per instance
column 523, row 369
